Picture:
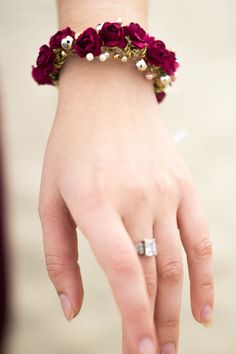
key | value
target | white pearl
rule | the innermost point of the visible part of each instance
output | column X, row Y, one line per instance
column 67, row 42
column 124, row 59
column 77, row 34
column 166, row 79
column 149, row 76
column 102, row 57
column 89, row 56
column 99, row 26
column 119, row 20
column 141, row 65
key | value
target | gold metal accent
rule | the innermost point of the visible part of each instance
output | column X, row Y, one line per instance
column 158, row 84
column 116, row 56
column 59, row 61
column 133, row 52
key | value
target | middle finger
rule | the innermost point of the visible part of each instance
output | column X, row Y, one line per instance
column 139, row 224
column 169, row 277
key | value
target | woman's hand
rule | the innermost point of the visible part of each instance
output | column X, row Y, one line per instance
column 112, row 169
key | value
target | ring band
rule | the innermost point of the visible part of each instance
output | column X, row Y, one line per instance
column 146, row 247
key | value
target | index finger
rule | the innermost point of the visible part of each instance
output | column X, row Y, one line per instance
column 116, row 254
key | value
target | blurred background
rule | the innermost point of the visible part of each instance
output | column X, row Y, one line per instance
column 202, row 103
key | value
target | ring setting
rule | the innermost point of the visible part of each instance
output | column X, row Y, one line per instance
column 146, row 247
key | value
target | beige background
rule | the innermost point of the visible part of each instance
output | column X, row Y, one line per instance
column 202, row 102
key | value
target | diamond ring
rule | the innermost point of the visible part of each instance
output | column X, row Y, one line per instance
column 146, row 247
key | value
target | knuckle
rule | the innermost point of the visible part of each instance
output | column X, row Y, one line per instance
column 169, row 323
column 138, row 190
column 46, row 211
column 121, row 262
column 166, row 186
column 92, row 197
column 151, row 285
column 207, row 285
column 172, row 273
column 203, row 248
column 138, row 312
column 57, row 266
column 187, row 184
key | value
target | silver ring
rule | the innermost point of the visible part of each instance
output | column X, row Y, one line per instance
column 146, row 247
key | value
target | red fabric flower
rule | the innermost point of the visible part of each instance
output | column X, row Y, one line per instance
column 160, row 96
column 137, row 35
column 88, row 42
column 45, row 66
column 169, row 63
column 155, row 51
column 113, row 34
column 55, row 40
column 46, row 56
column 158, row 55
column 41, row 76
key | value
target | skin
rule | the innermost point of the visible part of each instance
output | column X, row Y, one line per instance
column 112, row 170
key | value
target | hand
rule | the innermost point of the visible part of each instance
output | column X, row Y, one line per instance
column 112, row 169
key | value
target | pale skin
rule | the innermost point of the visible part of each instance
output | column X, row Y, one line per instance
column 112, row 169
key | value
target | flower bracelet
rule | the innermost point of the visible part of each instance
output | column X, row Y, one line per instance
column 109, row 39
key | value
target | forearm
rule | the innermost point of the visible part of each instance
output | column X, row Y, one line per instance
column 100, row 86
column 102, row 83
column 83, row 13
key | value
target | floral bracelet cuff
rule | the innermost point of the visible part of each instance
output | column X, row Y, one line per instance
column 109, row 40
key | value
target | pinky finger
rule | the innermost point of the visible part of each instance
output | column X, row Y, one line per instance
column 198, row 246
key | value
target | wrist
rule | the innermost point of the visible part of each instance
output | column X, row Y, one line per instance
column 107, row 40
column 79, row 15
column 80, row 75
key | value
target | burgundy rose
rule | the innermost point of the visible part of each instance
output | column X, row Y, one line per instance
column 169, row 63
column 41, row 76
column 55, row 40
column 137, row 35
column 113, row 34
column 155, row 51
column 158, row 55
column 160, row 96
column 46, row 57
column 88, row 42
column 45, row 65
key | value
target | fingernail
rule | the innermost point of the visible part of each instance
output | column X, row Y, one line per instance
column 146, row 346
column 168, row 348
column 67, row 307
column 206, row 316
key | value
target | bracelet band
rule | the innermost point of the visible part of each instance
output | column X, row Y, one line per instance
column 109, row 40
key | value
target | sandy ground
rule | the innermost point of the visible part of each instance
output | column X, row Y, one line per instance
column 202, row 102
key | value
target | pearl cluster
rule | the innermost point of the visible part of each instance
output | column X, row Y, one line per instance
column 102, row 56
